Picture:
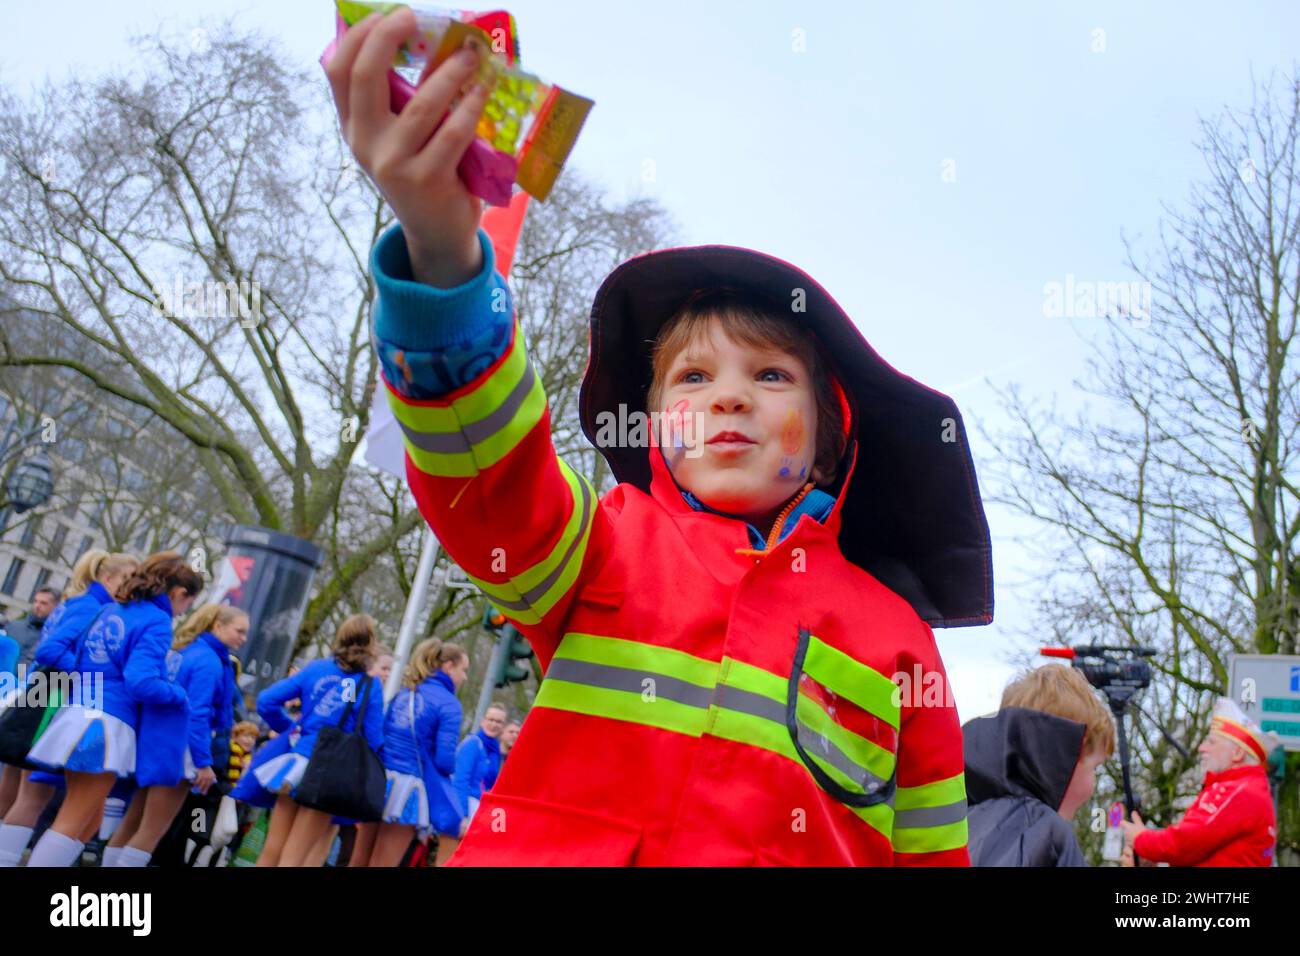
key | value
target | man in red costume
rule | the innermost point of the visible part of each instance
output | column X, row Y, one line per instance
column 1233, row 821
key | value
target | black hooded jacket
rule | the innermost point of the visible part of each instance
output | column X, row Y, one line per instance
column 1018, row 766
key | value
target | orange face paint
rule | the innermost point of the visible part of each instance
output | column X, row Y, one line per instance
column 792, row 433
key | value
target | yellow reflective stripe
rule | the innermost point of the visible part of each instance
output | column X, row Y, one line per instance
column 937, row 794
column 653, row 711
column 636, row 655
column 723, row 717
column 932, row 816
column 869, row 689
column 754, row 679
column 479, row 428
column 447, row 465
column 480, row 402
column 528, row 596
column 952, row 836
column 491, row 451
column 767, row 735
column 859, row 749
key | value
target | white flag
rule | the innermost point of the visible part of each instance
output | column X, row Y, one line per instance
column 384, row 448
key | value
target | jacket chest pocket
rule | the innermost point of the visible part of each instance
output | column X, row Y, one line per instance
column 842, row 718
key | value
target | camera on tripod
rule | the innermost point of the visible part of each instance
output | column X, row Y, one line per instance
column 1118, row 672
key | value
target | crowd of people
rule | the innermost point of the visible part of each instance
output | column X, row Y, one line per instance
column 168, row 725
column 158, row 723
column 155, row 722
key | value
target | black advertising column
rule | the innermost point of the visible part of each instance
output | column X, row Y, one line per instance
column 269, row 575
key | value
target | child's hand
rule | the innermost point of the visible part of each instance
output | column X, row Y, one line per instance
column 413, row 166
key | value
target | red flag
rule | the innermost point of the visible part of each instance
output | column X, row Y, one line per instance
column 503, row 225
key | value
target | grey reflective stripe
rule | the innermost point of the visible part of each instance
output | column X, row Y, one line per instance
column 623, row 678
column 930, row 816
column 747, row 702
column 460, row 442
column 724, row 697
column 442, row 443
column 536, row 594
column 485, row 428
column 825, row 749
column 532, row 597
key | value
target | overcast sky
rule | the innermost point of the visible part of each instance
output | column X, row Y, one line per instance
column 933, row 165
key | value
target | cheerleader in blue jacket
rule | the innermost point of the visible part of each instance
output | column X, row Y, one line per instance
column 175, row 743
column 325, row 688
column 420, row 734
column 478, row 761
column 96, row 575
column 121, row 663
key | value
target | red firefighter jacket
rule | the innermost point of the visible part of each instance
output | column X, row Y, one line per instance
column 1231, row 823
column 703, row 703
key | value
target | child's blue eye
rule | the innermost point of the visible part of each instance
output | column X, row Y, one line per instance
column 688, row 378
column 779, row 375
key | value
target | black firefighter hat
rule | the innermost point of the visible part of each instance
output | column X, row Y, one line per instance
column 913, row 517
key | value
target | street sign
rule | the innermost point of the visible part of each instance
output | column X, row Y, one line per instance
column 1268, row 688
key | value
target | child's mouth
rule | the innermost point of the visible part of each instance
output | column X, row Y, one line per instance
column 730, row 443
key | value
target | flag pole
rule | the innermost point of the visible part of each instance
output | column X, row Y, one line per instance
column 414, row 605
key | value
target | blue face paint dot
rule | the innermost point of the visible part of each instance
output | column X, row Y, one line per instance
column 803, row 471
column 785, row 473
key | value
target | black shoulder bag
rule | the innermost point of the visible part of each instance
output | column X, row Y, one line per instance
column 344, row 777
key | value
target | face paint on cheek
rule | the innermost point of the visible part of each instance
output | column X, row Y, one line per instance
column 792, row 433
column 792, row 441
column 675, row 423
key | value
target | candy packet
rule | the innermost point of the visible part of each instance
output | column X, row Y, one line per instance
column 528, row 127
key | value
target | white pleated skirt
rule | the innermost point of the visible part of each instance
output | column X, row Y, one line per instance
column 406, row 801
column 282, row 774
column 84, row 740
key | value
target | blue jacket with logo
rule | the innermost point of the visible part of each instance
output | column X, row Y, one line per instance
column 127, row 645
column 324, row 694
column 61, row 636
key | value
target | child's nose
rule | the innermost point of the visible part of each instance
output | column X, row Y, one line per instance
column 730, row 397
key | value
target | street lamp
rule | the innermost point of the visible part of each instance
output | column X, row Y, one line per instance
column 31, row 483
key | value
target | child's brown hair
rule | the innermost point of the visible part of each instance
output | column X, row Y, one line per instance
column 1065, row 692
column 245, row 728
column 753, row 321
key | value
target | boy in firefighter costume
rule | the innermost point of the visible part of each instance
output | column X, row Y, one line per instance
column 720, row 631
column 1233, row 821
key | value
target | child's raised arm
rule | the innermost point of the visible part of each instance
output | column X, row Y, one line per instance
column 471, row 406
column 519, row 520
